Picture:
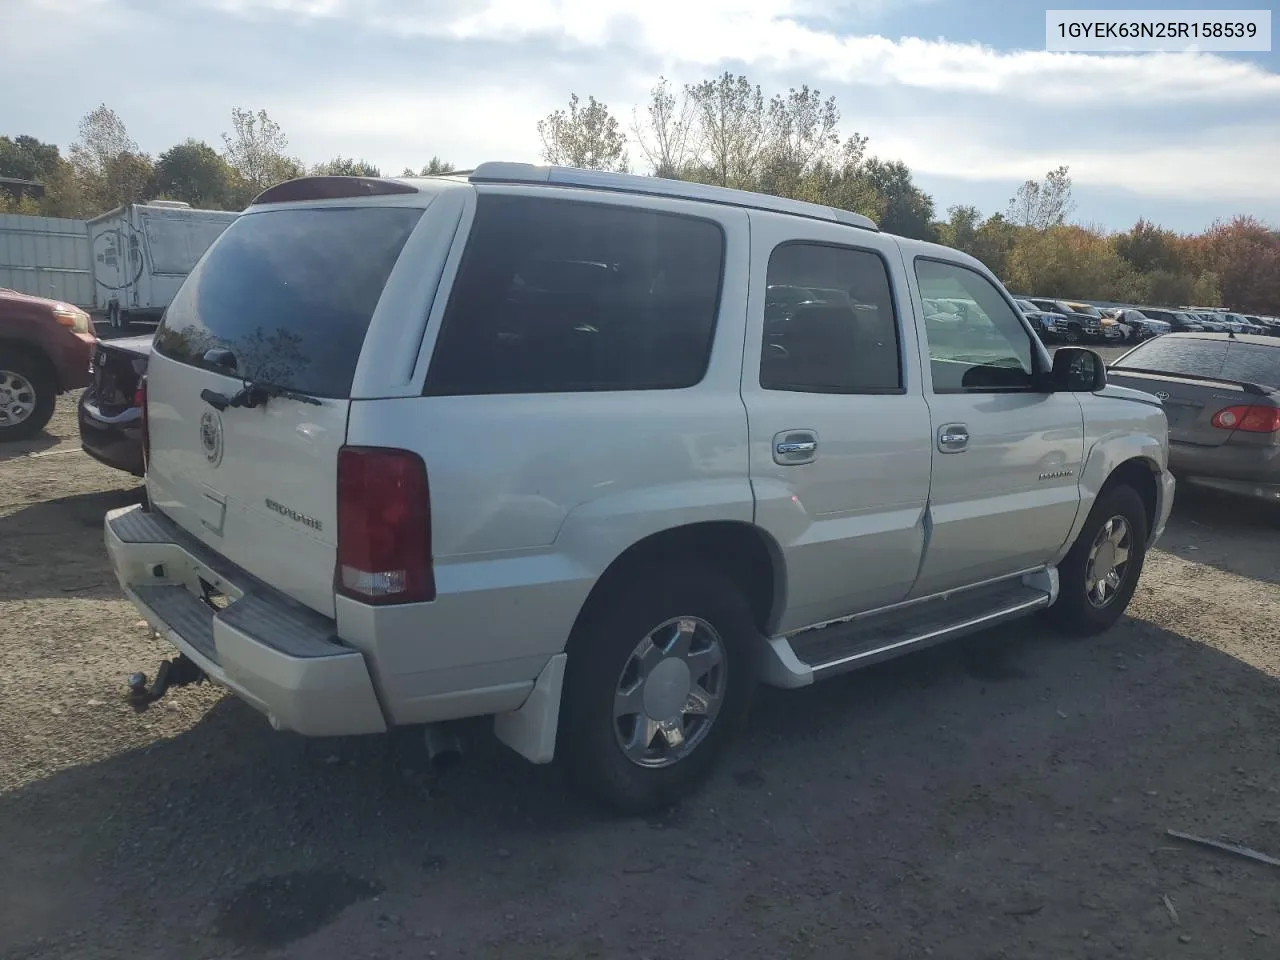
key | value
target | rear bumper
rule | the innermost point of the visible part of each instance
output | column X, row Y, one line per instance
column 115, row 441
column 1227, row 461
column 278, row 656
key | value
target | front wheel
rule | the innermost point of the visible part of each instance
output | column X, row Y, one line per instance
column 1100, row 572
column 1072, row 335
column 27, row 396
column 658, row 679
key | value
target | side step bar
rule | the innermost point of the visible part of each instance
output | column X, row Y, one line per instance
column 859, row 642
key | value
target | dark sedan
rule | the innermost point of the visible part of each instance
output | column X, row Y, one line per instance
column 111, row 406
column 1221, row 394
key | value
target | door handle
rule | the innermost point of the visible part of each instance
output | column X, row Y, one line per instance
column 792, row 447
column 953, row 438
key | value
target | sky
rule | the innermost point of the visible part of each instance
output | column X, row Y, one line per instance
column 961, row 90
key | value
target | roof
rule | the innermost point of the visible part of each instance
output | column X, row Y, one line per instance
column 503, row 172
column 1256, row 338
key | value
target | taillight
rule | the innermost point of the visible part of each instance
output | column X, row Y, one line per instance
column 384, row 526
column 1251, row 419
column 140, row 401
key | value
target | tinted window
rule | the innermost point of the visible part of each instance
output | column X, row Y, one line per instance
column 829, row 323
column 290, row 293
column 1196, row 357
column 554, row 296
column 983, row 348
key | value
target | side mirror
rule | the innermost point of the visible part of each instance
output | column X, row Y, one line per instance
column 1076, row 370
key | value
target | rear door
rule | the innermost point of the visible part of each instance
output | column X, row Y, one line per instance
column 286, row 296
column 839, row 430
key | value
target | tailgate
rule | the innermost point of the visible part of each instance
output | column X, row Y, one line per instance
column 283, row 297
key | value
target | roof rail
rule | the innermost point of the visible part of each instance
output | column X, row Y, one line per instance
column 503, row 172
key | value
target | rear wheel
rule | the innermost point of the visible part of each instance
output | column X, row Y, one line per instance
column 658, row 678
column 27, row 396
column 1100, row 572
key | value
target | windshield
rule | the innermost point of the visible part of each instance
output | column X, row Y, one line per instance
column 1086, row 309
column 290, row 293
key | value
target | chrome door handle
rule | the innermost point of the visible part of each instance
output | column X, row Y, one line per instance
column 803, row 446
column 953, row 438
column 794, row 447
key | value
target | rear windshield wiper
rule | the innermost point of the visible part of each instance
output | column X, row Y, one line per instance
column 254, row 393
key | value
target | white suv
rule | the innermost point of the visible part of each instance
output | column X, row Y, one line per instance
column 593, row 454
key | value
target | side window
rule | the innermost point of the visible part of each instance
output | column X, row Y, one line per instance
column 555, row 296
column 983, row 348
column 829, row 322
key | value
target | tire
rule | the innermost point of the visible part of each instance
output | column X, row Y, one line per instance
column 605, row 664
column 1072, row 335
column 1077, row 611
column 28, row 393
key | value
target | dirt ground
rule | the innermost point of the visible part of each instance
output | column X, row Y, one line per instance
column 1004, row 797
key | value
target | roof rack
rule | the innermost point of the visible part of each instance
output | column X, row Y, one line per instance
column 504, row 172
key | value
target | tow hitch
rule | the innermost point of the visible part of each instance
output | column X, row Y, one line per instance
column 177, row 672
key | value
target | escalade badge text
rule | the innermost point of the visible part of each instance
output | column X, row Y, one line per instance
column 1055, row 474
column 292, row 514
column 211, row 437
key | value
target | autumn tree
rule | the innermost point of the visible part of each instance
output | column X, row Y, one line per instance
column 585, row 136
column 1244, row 256
column 106, row 161
column 1043, row 204
column 668, row 133
column 1072, row 262
column 803, row 131
column 256, row 149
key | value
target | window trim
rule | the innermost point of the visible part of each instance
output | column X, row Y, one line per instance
column 608, row 203
column 894, row 305
column 1037, row 369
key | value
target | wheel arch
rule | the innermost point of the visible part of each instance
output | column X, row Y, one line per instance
column 744, row 552
column 32, row 352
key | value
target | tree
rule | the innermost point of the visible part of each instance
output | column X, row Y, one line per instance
column 111, row 169
column 1043, row 205
column 255, row 150
column 1067, row 261
column 193, row 171
column 733, row 126
column 436, row 167
column 1243, row 256
column 588, row 137
column 960, row 229
column 346, row 167
column 26, row 158
column 803, row 131
column 667, row 135
column 1148, row 247
column 908, row 210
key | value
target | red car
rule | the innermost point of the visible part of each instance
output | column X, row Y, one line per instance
column 46, row 347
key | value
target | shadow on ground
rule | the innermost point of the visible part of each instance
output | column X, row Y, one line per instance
column 1234, row 534
column 1005, row 796
column 53, row 548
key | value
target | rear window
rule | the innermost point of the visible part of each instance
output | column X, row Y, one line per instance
column 1196, row 357
column 555, row 296
column 290, row 293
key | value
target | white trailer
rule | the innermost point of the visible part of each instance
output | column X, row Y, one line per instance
column 142, row 252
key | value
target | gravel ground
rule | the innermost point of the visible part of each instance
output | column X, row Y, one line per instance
column 1006, row 796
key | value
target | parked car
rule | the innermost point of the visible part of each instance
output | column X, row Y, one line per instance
column 45, row 350
column 1078, row 326
column 1221, row 392
column 1178, row 321
column 536, row 487
column 110, row 410
column 1049, row 326
column 1142, row 326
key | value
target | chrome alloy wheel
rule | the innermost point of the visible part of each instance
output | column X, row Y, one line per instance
column 17, row 398
column 670, row 691
column 1108, row 561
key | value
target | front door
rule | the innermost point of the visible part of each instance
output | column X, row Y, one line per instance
column 839, row 430
column 1006, row 454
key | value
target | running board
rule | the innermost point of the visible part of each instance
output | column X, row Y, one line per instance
column 864, row 640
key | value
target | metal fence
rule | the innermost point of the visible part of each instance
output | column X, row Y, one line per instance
column 46, row 257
